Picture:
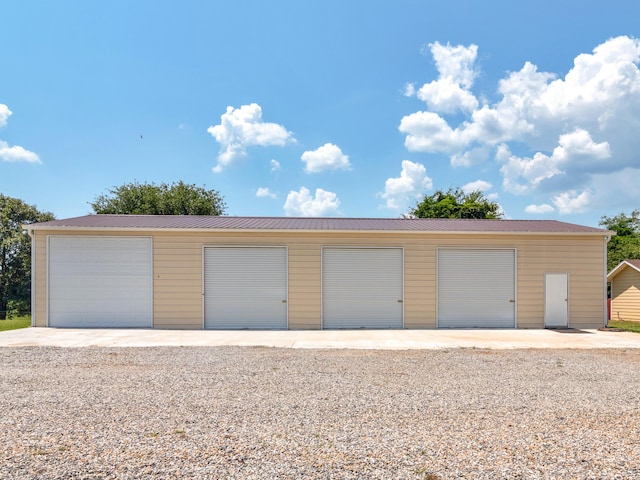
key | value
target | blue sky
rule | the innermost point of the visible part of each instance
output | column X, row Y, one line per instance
column 332, row 108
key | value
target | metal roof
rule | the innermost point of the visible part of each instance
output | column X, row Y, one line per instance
column 427, row 225
column 635, row 263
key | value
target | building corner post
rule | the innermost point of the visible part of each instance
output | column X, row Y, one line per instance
column 606, row 289
column 33, row 276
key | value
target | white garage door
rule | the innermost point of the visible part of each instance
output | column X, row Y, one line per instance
column 100, row 282
column 362, row 287
column 476, row 288
column 245, row 287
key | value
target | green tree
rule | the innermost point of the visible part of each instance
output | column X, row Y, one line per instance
column 15, row 253
column 625, row 244
column 454, row 203
column 178, row 198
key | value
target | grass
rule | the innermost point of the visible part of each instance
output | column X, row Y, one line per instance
column 15, row 323
column 24, row 321
column 625, row 325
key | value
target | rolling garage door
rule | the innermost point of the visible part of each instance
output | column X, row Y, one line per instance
column 100, row 282
column 476, row 288
column 245, row 287
column 362, row 287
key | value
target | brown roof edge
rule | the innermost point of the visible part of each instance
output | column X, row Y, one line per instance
column 635, row 264
column 222, row 223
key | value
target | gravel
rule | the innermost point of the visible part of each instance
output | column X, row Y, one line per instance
column 257, row 413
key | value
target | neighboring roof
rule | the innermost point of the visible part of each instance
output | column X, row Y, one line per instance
column 635, row 264
column 431, row 225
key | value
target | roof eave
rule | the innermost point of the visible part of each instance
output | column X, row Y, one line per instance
column 301, row 230
column 621, row 266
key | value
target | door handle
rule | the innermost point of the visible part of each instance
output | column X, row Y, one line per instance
column 512, row 301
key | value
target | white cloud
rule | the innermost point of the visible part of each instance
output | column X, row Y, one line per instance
column 241, row 128
column 474, row 156
column 326, row 157
column 14, row 153
column 412, row 182
column 456, row 63
column 275, row 165
column 574, row 152
column 483, row 186
column 263, row 192
column 429, row 132
column 539, row 209
column 456, row 73
column 532, row 170
column 409, row 90
column 5, row 113
column 571, row 202
column 551, row 133
column 475, row 186
column 302, row 204
column 17, row 154
column 447, row 97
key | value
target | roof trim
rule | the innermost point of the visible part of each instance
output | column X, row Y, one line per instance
column 621, row 266
column 177, row 223
column 305, row 231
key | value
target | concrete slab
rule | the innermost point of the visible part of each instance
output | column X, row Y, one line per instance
column 356, row 339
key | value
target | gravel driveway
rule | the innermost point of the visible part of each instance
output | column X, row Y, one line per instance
column 259, row 413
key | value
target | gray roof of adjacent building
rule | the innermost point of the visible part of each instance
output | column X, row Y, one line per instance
column 221, row 223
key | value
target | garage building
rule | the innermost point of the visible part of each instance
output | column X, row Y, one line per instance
column 625, row 291
column 192, row 272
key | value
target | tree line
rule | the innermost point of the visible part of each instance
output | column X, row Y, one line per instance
column 625, row 244
column 180, row 198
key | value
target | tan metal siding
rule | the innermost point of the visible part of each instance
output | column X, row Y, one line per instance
column 178, row 272
column 304, row 286
column 420, row 283
column 39, row 282
column 625, row 295
column 582, row 259
column 177, row 291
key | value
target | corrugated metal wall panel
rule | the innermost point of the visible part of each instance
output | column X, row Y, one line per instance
column 245, row 287
column 476, row 288
column 100, row 282
column 625, row 291
column 362, row 287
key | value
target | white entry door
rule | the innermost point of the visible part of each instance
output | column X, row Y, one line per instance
column 556, row 300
